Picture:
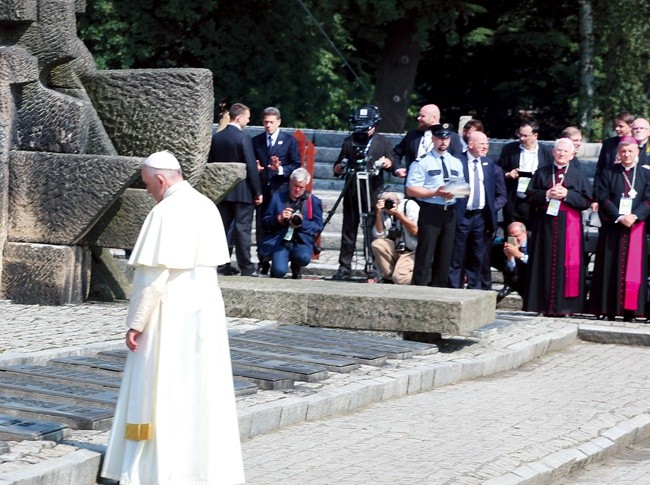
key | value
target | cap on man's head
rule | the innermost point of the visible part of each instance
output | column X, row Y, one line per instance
column 162, row 161
column 441, row 130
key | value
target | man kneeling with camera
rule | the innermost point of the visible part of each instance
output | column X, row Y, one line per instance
column 395, row 231
column 292, row 220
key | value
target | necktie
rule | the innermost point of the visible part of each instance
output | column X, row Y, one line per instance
column 270, row 142
column 445, row 172
column 476, row 189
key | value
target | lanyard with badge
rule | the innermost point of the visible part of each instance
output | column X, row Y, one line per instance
column 525, row 176
column 554, row 204
column 625, row 205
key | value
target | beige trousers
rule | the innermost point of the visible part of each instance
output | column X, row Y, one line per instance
column 394, row 266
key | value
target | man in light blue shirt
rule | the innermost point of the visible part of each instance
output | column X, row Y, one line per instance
column 427, row 182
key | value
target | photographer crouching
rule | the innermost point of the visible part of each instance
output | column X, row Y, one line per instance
column 395, row 231
column 292, row 220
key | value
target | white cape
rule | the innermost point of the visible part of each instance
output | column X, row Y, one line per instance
column 179, row 381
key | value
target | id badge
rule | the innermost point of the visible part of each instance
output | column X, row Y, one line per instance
column 625, row 206
column 522, row 186
column 553, row 207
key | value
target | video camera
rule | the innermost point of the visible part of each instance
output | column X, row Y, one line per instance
column 361, row 121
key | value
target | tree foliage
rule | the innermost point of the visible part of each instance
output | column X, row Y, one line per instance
column 499, row 60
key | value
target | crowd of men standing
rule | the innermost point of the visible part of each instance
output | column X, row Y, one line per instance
column 447, row 216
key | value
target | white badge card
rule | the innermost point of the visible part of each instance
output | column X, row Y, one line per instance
column 625, row 206
column 553, row 207
column 522, row 185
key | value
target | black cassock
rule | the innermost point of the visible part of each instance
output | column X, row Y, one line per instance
column 556, row 274
column 619, row 283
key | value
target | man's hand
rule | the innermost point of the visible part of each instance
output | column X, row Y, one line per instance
column 132, row 337
column 400, row 172
column 259, row 167
column 628, row 220
column 441, row 192
column 286, row 214
column 512, row 251
column 386, row 163
column 338, row 169
column 512, row 174
column 594, row 206
column 258, row 199
column 557, row 192
column 275, row 164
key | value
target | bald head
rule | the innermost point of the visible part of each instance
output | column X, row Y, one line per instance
column 429, row 115
column 477, row 144
column 641, row 130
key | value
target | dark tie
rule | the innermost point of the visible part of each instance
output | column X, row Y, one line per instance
column 445, row 172
column 270, row 142
column 476, row 189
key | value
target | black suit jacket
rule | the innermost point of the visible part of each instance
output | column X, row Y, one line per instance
column 494, row 188
column 607, row 153
column 379, row 147
column 517, row 208
column 233, row 145
column 286, row 149
column 408, row 146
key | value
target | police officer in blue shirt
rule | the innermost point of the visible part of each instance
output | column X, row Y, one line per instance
column 427, row 182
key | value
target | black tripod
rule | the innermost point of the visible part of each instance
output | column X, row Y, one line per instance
column 364, row 204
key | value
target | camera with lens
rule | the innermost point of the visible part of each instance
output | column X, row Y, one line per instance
column 389, row 204
column 400, row 246
column 295, row 221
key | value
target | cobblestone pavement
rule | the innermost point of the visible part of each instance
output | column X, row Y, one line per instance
column 463, row 433
column 631, row 466
column 466, row 433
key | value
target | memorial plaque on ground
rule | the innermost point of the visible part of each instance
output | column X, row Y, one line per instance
column 77, row 417
column 362, row 356
column 63, row 375
column 330, row 362
column 88, row 364
column 264, row 379
column 299, row 372
column 17, row 385
column 415, row 348
column 17, row 429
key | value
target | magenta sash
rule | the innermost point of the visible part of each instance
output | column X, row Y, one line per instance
column 572, row 252
column 633, row 266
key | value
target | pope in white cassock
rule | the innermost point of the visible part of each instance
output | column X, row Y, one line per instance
column 176, row 421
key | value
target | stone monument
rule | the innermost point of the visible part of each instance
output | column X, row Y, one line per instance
column 72, row 138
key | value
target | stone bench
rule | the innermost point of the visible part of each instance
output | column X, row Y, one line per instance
column 358, row 305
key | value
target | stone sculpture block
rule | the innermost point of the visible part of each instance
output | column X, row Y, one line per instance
column 45, row 274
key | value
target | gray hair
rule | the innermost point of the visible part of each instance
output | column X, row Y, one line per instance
column 272, row 111
column 398, row 196
column 300, row 175
column 563, row 140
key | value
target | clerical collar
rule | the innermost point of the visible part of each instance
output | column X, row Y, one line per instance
column 561, row 167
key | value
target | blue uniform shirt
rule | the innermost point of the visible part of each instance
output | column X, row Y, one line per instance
column 428, row 172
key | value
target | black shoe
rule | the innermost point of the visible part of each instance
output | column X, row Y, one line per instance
column 295, row 272
column 505, row 291
column 227, row 270
column 264, row 267
column 342, row 275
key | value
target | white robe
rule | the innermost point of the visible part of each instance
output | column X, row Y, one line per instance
column 179, row 382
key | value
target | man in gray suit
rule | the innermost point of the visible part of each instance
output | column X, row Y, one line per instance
column 233, row 145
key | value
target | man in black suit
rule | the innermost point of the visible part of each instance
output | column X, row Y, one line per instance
column 519, row 160
column 418, row 142
column 476, row 215
column 622, row 127
column 233, row 145
column 276, row 154
column 364, row 151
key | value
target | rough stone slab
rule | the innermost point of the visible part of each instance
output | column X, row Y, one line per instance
column 614, row 335
column 220, row 178
column 18, row 10
column 359, row 306
column 120, row 225
column 17, row 429
column 56, row 198
column 45, row 274
column 264, row 379
column 296, row 370
column 78, row 467
column 164, row 109
column 65, row 376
